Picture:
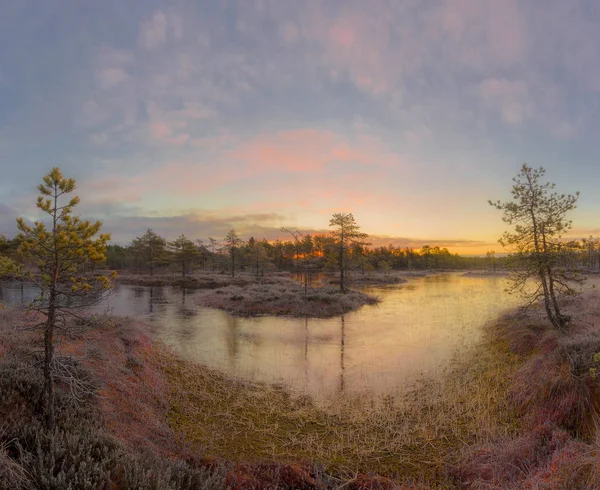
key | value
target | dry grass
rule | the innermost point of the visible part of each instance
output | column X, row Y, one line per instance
column 12, row 474
column 414, row 436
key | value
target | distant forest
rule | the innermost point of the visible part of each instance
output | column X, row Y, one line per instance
column 152, row 253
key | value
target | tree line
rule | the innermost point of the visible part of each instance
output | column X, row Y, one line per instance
column 151, row 253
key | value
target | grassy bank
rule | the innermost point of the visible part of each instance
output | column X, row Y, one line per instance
column 556, row 401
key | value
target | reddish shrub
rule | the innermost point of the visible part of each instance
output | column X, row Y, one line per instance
column 512, row 460
column 241, row 478
column 563, row 471
column 370, row 482
column 270, row 476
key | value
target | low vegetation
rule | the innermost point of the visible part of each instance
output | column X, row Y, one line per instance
column 109, row 430
column 284, row 297
column 516, row 411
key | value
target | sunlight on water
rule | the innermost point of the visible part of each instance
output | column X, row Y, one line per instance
column 416, row 328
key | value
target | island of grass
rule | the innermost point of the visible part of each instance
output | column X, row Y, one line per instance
column 284, row 297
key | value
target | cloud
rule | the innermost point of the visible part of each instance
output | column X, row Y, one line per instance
column 510, row 98
column 484, row 33
column 257, row 101
column 162, row 132
column 153, row 32
column 156, row 30
column 306, row 150
column 111, row 77
column 8, row 217
column 196, row 225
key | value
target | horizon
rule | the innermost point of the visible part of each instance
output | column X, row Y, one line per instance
column 199, row 118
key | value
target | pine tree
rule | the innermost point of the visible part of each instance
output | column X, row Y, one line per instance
column 539, row 256
column 346, row 233
column 184, row 252
column 58, row 256
column 232, row 241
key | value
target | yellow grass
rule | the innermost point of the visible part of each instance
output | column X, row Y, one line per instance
column 414, row 434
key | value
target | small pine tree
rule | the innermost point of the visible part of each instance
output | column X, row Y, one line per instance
column 232, row 242
column 58, row 256
column 346, row 232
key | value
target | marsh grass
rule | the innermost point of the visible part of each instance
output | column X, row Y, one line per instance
column 284, row 298
column 412, row 435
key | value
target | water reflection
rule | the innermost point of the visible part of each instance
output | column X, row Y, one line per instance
column 415, row 328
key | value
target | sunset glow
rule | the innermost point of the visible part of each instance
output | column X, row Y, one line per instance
column 200, row 117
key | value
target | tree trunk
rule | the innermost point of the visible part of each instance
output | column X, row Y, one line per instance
column 48, row 358
column 560, row 319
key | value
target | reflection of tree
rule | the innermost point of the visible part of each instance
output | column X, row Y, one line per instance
column 306, row 349
column 183, row 312
column 157, row 296
column 343, row 325
column 232, row 338
column 306, row 339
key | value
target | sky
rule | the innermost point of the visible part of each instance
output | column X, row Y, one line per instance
column 198, row 116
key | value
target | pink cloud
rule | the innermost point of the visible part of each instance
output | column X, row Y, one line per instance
column 303, row 150
column 312, row 156
column 379, row 48
column 343, row 34
column 108, row 190
column 188, row 178
column 162, row 132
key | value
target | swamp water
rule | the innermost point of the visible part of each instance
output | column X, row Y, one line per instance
column 415, row 329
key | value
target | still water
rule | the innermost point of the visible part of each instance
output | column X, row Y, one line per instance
column 416, row 328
